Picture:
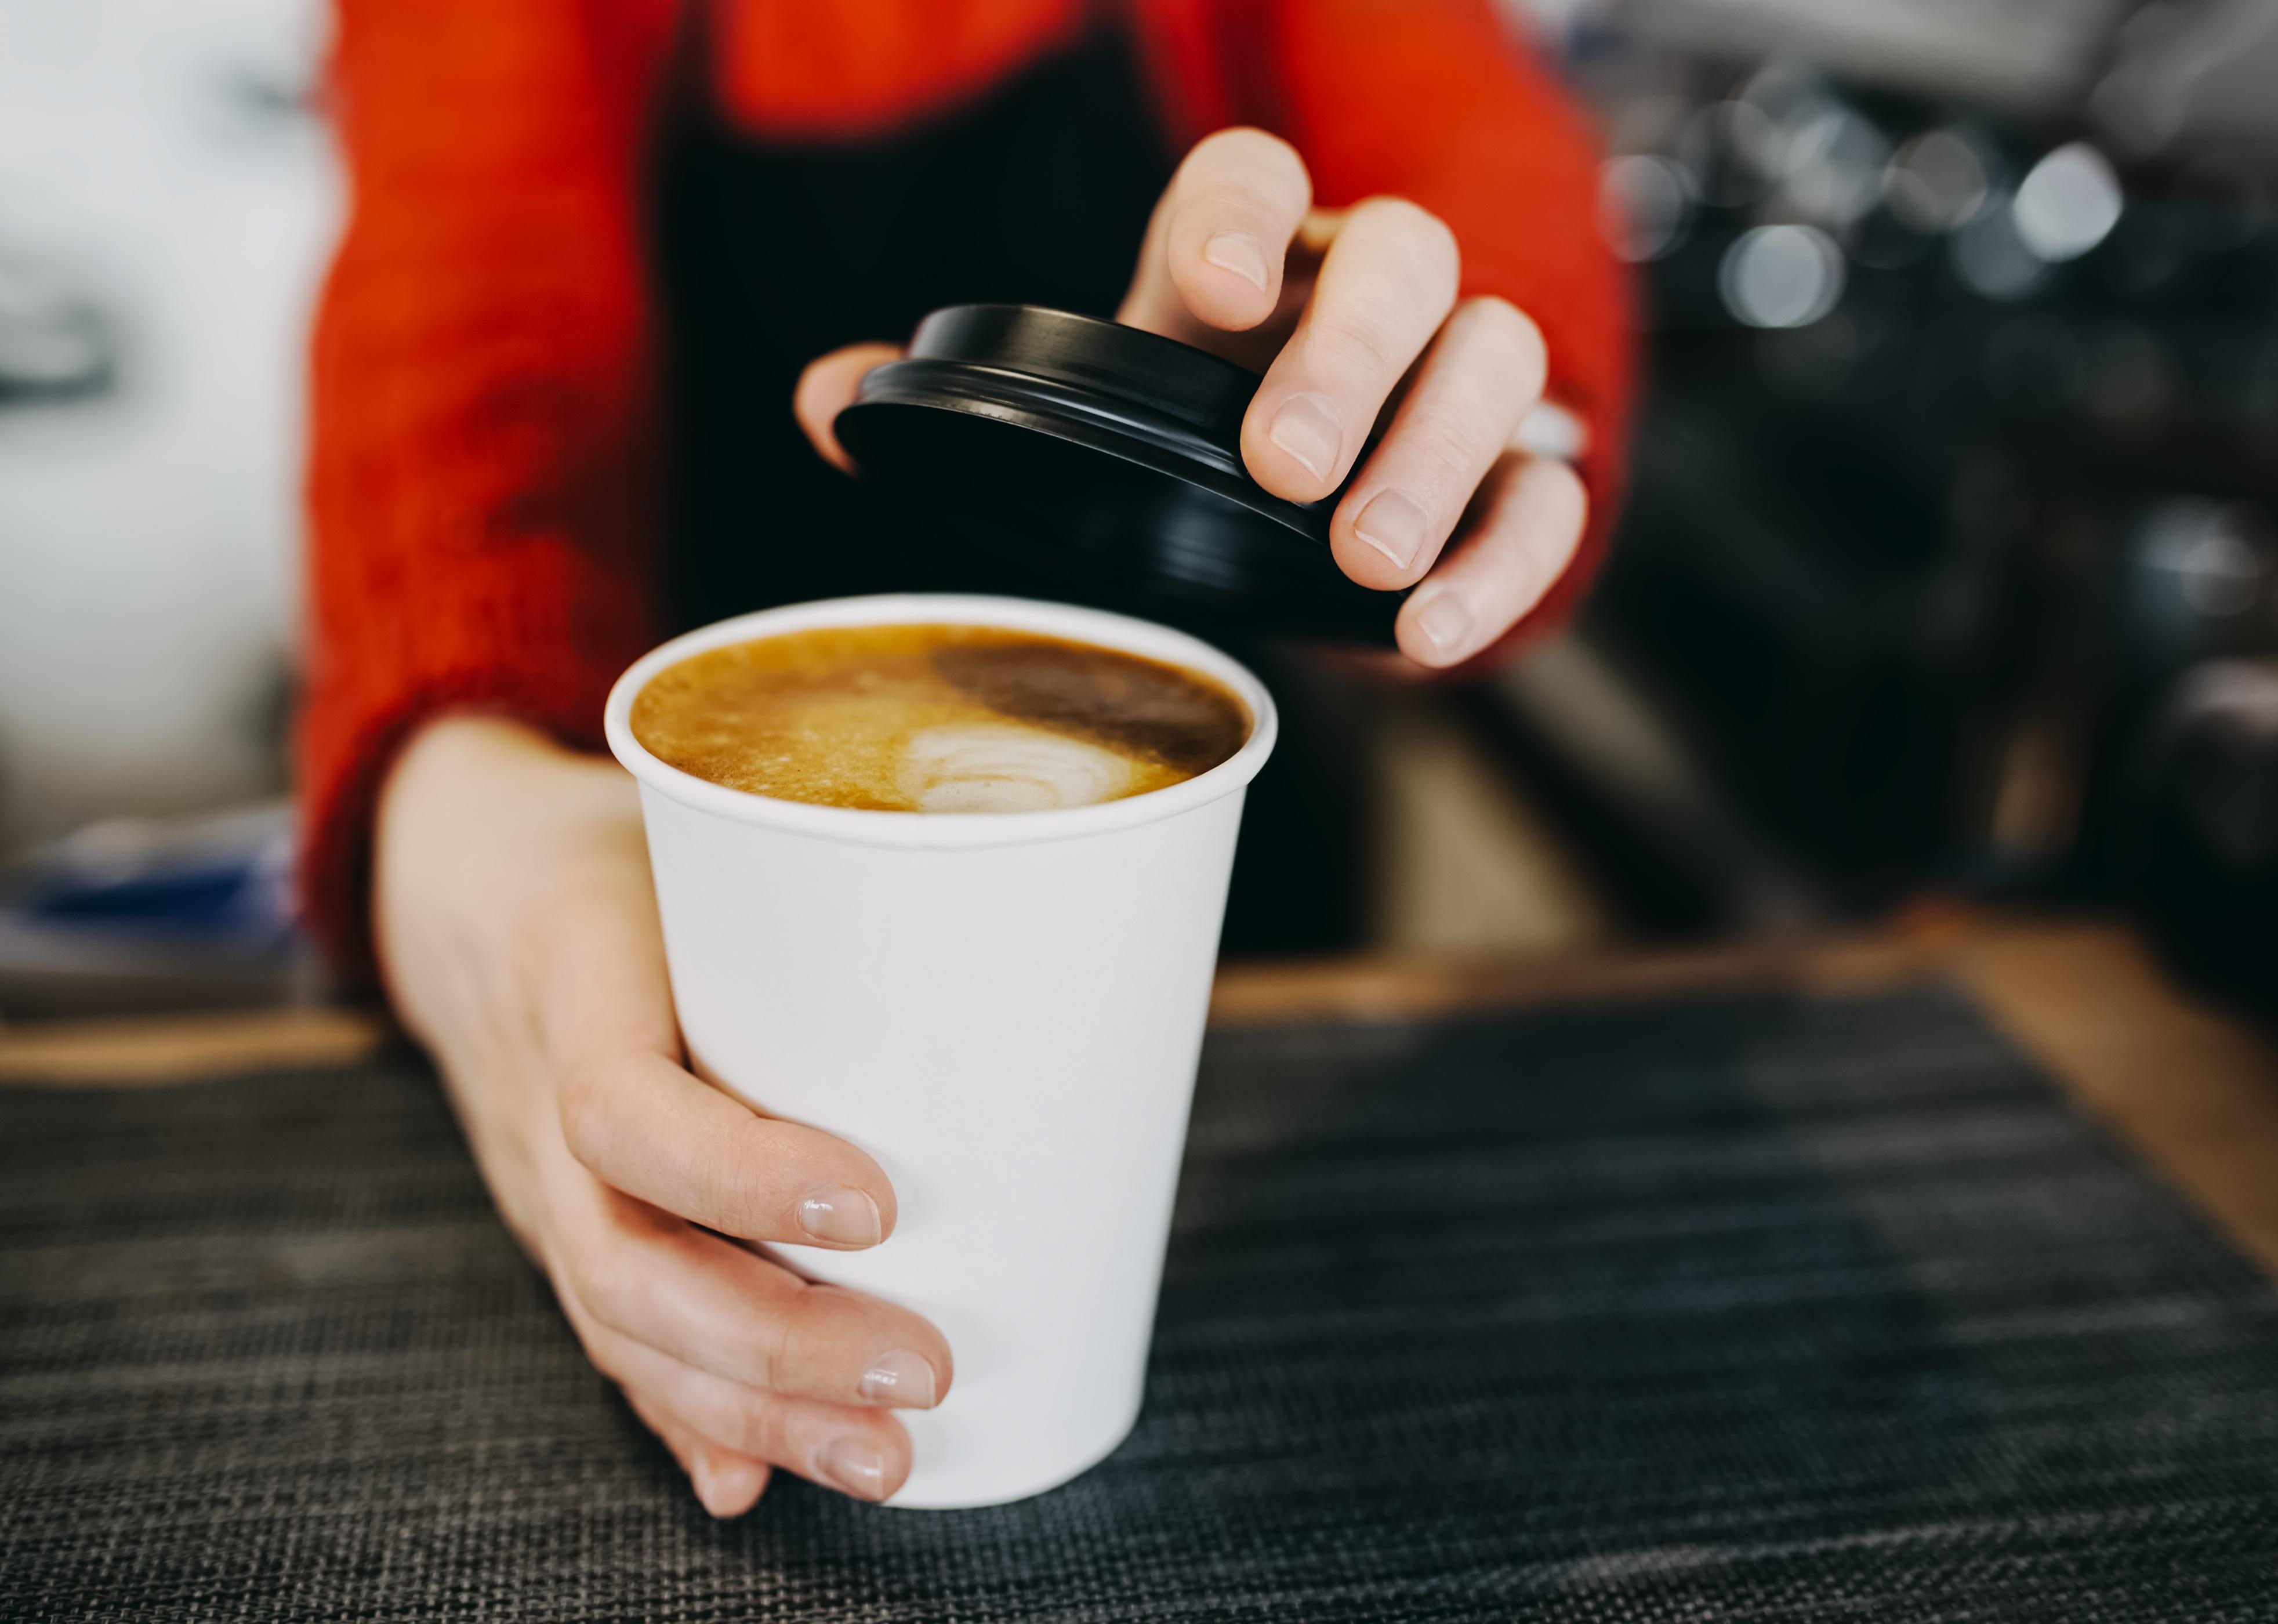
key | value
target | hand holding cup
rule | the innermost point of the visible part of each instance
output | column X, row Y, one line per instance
column 518, row 933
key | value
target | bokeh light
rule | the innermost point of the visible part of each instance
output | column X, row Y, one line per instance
column 2068, row 203
column 1644, row 203
column 1938, row 181
column 1782, row 276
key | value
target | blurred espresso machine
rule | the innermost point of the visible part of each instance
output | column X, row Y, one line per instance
column 1950, row 563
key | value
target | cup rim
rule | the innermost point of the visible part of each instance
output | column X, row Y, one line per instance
column 947, row 830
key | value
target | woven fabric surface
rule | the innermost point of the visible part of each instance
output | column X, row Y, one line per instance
column 1733, row 1309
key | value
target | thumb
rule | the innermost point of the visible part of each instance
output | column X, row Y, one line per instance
column 828, row 386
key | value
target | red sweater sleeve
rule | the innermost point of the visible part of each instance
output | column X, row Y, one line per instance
column 1433, row 100
column 479, row 487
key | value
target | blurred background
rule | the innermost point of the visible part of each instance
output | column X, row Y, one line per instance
column 1950, row 572
column 168, row 198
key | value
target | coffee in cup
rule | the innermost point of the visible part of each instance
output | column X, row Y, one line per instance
column 938, row 718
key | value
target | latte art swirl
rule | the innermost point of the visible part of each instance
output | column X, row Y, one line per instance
column 991, row 768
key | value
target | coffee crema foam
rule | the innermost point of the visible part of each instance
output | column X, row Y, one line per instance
column 936, row 719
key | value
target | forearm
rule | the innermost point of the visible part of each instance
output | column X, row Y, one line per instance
column 489, row 839
column 481, row 501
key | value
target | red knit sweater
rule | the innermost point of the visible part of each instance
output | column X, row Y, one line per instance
column 481, row 491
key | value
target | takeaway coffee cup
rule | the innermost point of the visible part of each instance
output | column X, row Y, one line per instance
column 1004, row 1010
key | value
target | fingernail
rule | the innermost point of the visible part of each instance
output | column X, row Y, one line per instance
column 854, row 1467
column 724, row 1490
column 846, row 1217
column 1445, row 622
column 1241, row 253
column 737, row 1485
column 1306, row 428
column 900, row 1378
column 1394, row 525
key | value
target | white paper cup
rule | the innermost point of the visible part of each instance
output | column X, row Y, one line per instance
column 1004, row 1010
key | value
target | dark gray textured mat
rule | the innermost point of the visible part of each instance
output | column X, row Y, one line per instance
column 1728, row 1309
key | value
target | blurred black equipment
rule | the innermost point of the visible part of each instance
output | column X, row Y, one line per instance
column 1955, row 479
column 2202, row 828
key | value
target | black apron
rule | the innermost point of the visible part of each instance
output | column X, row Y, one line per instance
column 769, row 255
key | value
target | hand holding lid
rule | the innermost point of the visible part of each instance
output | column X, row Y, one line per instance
column 1376, row 452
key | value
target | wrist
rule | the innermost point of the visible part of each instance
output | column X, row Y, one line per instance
column 483, row 824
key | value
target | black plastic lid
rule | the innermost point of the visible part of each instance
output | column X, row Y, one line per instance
column 1108, row 462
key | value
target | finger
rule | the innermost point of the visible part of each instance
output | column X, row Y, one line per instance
column 1387, row 283
column 638, row 1120
column 727, row 1484
column 864, row 1454
column 1524, row 530
column 710, row 1303
column 827, row 387
column 644, row 1126
column 1475, row 383
column 1216, row 244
